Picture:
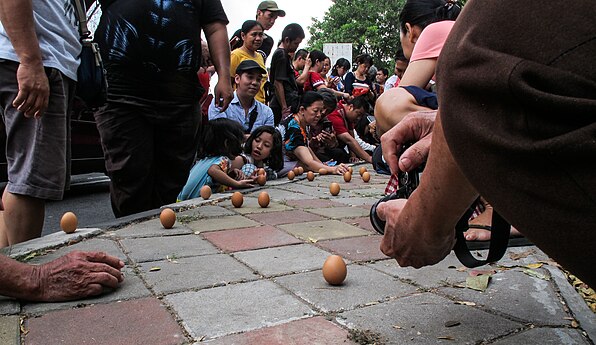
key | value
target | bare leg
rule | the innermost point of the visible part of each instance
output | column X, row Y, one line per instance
column 392, row 107
column 23, row 218
column 484, row 219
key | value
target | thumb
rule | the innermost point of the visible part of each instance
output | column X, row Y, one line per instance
column 381, row 209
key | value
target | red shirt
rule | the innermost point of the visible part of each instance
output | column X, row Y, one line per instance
column 339, row 120
column 314, row 81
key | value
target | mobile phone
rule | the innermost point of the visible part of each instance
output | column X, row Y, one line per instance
column 327, row 126
column 370, row 118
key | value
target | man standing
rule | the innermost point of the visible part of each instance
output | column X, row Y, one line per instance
column 38, row 69
column 267, row 13
column 282, row 72
column 149, row 126
column 244, row 108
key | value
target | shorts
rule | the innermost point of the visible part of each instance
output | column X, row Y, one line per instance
column 37, row 150
column 423, row 98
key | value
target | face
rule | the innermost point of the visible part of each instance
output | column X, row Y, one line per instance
column 341, row 71
column 400, row 68
column 354, row 114
column 253, row 39
column 261, row 146
column 363, row 68
column 381, row 77
column 313, row 113
column 326, row 66
column 266, row 18
column 408, row 39
column 248, row 83
column 299, row 63
column 292, row 46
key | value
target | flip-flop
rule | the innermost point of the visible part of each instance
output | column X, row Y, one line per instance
column 517, row 241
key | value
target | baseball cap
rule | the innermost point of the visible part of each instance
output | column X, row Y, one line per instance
column 271, row 6
column 249, row 65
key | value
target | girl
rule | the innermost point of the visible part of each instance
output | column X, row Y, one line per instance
column 252, row 34
column 359, row 78
column 222, row 143
column 263, row 149
column 341, row 67
column 297, row 135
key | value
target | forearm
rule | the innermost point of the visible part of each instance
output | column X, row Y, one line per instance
column 219, row 47
column 302, row 78
column 17, row 19
column 17, row 279
column 355, row 147
column 279, row 92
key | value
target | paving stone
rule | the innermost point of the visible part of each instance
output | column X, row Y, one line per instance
column 49, row 241
column 323, row 230
column 142, row 321
column 95, row 244
column 205, row 211
column 284, row 260
column 249, row 238
column 363, row 286
column 306, row 189
column 518, row 295
column 9, row 306
column 357, row 201
column 151, row 228
column 285, row 217
column 159, row 248
column 362, row 223
column 251, row 205
column 420, row 319
column 433, row 276
column 312, row 331
column 545, row 336
column 282, row 195
column 222, row 223
column 9, row 330
column 236, row 308
column 340, row 212
column 131, row 288
column 313, row 203
column 375, row 193
column 365, row 248
column 194, row 273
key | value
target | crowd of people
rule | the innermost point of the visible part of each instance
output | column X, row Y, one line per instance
column 163, row 139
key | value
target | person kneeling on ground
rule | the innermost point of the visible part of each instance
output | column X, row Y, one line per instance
column 344, row 118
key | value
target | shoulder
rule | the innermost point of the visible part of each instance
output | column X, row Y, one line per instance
column 431, row 40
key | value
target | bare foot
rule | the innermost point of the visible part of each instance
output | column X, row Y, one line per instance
column 480, row 226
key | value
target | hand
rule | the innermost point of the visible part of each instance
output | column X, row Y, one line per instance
column 415, row 127
column 238, row 174
column 34, row 90
column 354, row 159
column 327, row 138
column 248, row 183
column 341, row 169
column 307, row 63
column 286, row 111
column 77, row 275
column 223, row 94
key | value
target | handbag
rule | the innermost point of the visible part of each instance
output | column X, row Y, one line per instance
column 92, row 85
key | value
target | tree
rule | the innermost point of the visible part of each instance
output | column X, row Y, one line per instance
column 372, row 26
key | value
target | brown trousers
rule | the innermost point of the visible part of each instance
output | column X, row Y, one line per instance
column 518, row 105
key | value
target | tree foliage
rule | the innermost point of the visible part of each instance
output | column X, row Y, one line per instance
column 371, row 26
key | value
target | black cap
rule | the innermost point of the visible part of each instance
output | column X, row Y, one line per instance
column 271, row 6
column 249, row 65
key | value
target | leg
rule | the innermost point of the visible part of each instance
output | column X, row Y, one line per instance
column 392, row 106
column 23, row 217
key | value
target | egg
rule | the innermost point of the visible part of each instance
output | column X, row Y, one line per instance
column 351, row 170
column 347, row 177
column 291, row 175
column 322, row 171
column 362, row 170
column 264, row 199
column 167, row 218
column 261, row 180
column 237, row 199
column 335, row 270
column 310, row 176
column 69, row 222
column 260, row 171
column 366, row 176
column 300, row 170
column 205, row 192
column 334, row 188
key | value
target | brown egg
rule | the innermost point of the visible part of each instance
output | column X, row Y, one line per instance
column 291, row 175
column 205, row 192
column 261, row 171
column 334, row 188
column 347, row 177
column 322, row 171
column 261, row 180
column 351, row 170
column 167, row 218
column 362, row 170
column 237, row 199
column 69, row 222
column 264, row 199
column 366, row 176
column 300, row 170
column 335, row 270
column 310, row 176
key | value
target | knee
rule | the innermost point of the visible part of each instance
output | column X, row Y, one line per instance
column 392, row 107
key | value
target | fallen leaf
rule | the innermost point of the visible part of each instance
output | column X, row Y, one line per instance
column 465, row 303
column 154, row 269
column 452, row 323
column 397, row 327
column 462, row 269
column 535, row 266
column 522, row 255
column 475, row 273
column 536, row 274
column 446, row 337
column 478, row 283
column 312, row 240
column 574, row 324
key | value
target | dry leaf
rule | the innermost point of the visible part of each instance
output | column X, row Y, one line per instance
column 462, row 269
column 478, row 283
column 574, row 324
column 474, row 273
column 517, row 256
column 536, row 274
column 446, row 337
column 452, row 323
column 154, row 269
column 535, row 266
column 397, row 327
column 312, row 240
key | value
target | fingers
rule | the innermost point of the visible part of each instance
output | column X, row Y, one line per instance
column 101, row 257
column 416, row 154
column 381, row 209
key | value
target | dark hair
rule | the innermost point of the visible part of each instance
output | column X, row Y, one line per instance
column 309, row 97
column 276, row 159
column 329, row 99
column 425, row 12
column 300, row 53
column 359, row 102
column 341, row 62
column 384, row 70
column 221, row 137
column 364, row 59
column 248, row 25
column 317, row 55
column 399, row 55
column 292, row 32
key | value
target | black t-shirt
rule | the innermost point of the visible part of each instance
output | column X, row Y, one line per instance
column 265, row 48
column 156, row 43
column 283, row 71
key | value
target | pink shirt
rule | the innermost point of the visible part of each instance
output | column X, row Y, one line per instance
column 431, row 40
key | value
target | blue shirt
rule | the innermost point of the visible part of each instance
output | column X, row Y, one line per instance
column 236, row 113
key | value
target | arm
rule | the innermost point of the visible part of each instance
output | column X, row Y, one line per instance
column 309, row 160
column 354, row 146
column 281, row 96
column 419, row 73
column 348, row 82
column 421, row 230
column 304, row 75
column 217, row 37
column 221, row 177
column 34, row 89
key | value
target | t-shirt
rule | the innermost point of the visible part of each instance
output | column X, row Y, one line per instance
column 200, row 177
column 351, row 83
column 282, row 70
column 314, row 81
column 294, row 136
column 56, row 27
column 431, row 41
column 239, row 55
column 265, row 48
column 339, row 120
column 392, row 82
column 152, row 49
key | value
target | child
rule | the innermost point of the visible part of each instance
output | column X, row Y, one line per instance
column 221, row 144
column 263, row 149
